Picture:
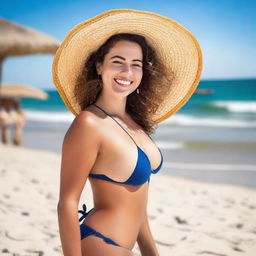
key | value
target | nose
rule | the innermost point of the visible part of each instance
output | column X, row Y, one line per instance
column 126, row 69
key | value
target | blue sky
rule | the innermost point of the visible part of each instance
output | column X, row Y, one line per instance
column 224, row 29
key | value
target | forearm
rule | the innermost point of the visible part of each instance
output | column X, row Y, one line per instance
column 146, row 241
column 69, row 228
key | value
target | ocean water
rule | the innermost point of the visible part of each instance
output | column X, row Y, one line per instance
column 232, row 104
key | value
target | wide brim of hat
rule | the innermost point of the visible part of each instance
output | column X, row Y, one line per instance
column 175, row 46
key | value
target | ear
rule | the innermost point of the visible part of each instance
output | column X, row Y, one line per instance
column 98, row 67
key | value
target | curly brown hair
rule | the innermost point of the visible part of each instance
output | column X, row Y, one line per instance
column 153, row 87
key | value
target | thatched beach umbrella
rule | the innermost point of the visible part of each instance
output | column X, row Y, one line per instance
column 22, row 91
column 16, row 40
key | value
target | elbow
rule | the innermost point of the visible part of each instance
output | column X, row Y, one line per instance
column 66, row 204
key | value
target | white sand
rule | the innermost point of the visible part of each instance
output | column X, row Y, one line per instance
column 187, row 218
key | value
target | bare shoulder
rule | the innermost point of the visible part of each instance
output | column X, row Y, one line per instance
column 87, row 117
column 87, row 121
column 85, row 127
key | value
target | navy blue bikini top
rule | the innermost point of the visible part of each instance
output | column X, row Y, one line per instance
column 142, row 171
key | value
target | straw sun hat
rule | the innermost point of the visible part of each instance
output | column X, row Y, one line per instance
column 174, row 45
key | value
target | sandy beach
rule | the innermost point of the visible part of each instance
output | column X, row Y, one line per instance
column 186, row 217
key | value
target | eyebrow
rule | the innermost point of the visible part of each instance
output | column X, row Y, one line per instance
column 117, row 56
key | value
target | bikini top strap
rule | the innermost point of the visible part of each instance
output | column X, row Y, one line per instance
column 116, row 122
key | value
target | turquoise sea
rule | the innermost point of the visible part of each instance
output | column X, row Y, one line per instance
column 232, row 104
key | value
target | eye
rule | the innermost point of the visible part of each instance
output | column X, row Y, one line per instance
column 117, row 62
column 137, row 65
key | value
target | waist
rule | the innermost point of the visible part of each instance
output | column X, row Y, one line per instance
column 119, row 223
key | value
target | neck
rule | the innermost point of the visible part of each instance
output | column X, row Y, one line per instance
column 114, row 106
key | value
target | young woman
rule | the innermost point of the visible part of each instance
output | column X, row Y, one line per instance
column 120, row 89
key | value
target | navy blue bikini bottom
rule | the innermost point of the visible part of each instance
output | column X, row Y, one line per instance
column 88, row 231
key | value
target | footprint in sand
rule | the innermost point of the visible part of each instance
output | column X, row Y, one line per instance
column 211, row 253
column 164, row 244
column 6, row 196
column 3, row 171
column 229, row 200
column 202, row 206
column 25, row 213
column 51, row 235
column 204, row 192
column 50, row 196
column 38, row 253
column 180, row 221
column 237, row 249
column 247, row 205
column 194, row 192
column 57, row 249
column 239, row 225
column 227, row 206
column 151, row 217
column 16, row 189
column 221, row 219
column 40, row 191
column 254, row 231
column 17, row 236
column 160, row 210
column 34, row 181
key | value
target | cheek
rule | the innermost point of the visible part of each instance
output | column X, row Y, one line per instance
column 138, row 74
column 110, row 71
column 114, row 68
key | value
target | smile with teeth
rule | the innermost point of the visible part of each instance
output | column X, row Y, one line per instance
column 123, row 83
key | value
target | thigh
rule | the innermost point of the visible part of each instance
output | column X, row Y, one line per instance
column 96, row 246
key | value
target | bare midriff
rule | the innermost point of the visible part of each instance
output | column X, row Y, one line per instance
column 119, row 210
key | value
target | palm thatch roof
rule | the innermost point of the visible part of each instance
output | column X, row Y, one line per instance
column 22, row 91
column 19, row 40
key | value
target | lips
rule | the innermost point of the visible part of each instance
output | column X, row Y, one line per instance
column 122, row 82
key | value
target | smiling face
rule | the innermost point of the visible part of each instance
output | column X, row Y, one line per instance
column 121, row 69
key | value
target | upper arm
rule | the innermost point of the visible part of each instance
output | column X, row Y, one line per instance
column 79, row 151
